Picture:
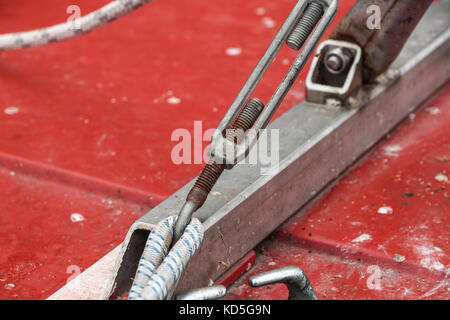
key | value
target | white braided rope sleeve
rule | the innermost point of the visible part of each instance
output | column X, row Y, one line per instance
column 159, row 268
column 93, row 20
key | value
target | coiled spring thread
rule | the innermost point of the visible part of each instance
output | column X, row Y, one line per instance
column 305, row 26
column 212, row 171
column 208, row 178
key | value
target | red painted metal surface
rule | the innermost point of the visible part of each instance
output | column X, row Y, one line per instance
column 49, row 232
column 350, row 237
column 238, row 269
column 86, row 127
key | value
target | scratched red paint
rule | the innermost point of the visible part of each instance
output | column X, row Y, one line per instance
column 39, row 241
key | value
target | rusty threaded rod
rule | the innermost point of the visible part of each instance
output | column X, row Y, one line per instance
column 212, row 171
column 305, row 26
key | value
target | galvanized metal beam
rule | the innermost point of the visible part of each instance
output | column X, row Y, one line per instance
column 317, row 144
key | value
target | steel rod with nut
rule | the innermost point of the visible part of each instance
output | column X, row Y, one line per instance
column 212, row 171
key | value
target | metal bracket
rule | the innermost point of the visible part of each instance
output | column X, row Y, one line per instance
column 324, row 84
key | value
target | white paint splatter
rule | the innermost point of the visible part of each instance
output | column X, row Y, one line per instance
column 297, row 94
column 163, row 97
column 441, row 177
column 431, row 264
column 433, row 110
column 76, row 217
column 107, row 153
column 362, row 238
column 285, row 61
column 445, row 282
column 385, row 210
column 174, row 100
column 398, row 258
column 381, row 247
column 101, row 139
column 233, row 51
column 109, row 202
column 10, row 286
column 428, row 250
column 392, row 150
column 260, row 11
column 12, row 173
column 268, row 22
column 11, row 110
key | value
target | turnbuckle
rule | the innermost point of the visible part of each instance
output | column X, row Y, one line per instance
column 298, row 31
column 303, row 29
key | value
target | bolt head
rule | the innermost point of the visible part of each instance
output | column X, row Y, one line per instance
column 334, row 63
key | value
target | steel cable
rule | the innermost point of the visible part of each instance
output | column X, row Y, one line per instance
column 62, row 31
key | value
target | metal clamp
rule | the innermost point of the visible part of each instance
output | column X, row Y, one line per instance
column 293, row 277
column 295, row 31
column 335, row 72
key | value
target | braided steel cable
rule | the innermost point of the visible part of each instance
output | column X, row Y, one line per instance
column 93, row 20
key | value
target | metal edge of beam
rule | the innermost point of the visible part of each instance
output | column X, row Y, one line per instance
column 317, row 144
